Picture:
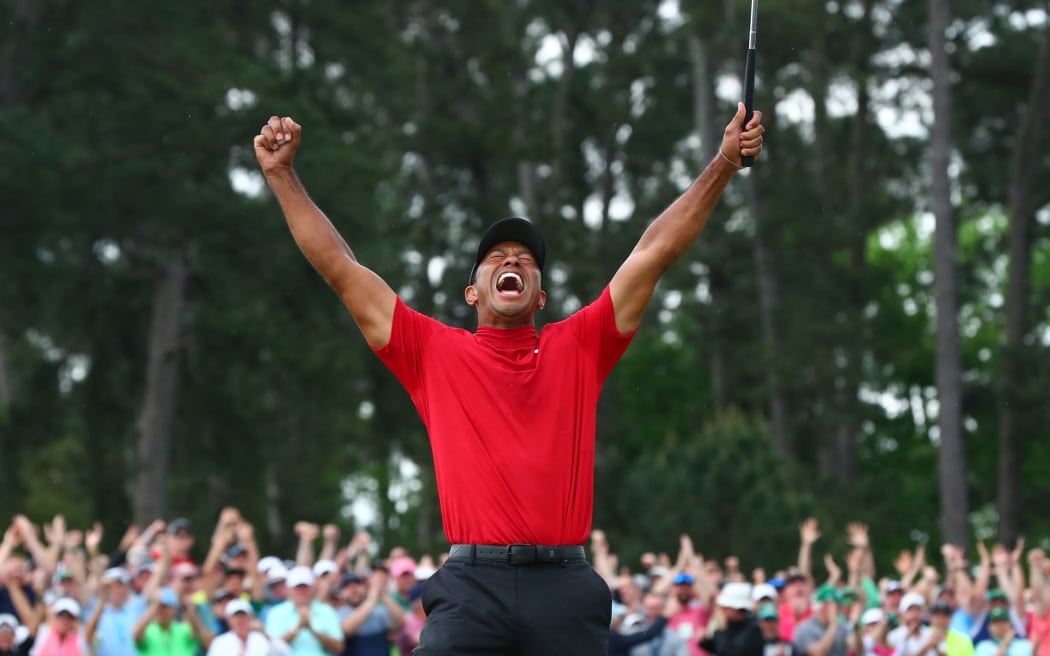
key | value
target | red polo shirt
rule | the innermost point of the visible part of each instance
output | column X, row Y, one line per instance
column 511, row 418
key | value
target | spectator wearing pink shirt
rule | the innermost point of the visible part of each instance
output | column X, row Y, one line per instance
column 1039, row 616
column 795, row 607
column 689, row 622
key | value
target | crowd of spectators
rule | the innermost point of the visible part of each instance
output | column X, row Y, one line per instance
column 61, row 596
column 997, row 606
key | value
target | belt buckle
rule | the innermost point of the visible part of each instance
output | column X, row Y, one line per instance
column 527, row 554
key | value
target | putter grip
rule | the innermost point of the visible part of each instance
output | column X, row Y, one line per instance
column 749, row 97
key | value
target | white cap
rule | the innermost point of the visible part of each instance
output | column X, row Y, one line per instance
column 763, row 591
column 239, row 606
column 276, row 573
column 424, row 572
column 323, row 567
column 115, row 574
column 299, row 575
column 268, row 562
column 735, row 595
column 912, row 599
column 871, row 616
column 66, row 605
column 8, row 621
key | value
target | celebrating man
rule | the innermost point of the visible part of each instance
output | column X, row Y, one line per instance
column 510, row 412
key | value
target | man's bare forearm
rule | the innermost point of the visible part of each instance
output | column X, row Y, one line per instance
column 677, row 227
column 315, row 235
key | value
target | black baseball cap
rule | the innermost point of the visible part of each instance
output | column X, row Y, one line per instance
column 512, row 228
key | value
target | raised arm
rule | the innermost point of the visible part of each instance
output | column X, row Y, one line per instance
column 368, row 298
column 674, row 231
column 304, row 553
column 139, row 630
column 41, row 555
column 1036, row 559
column 808, row 533
column 91, row 627
column 330, row 533
column 26, row 612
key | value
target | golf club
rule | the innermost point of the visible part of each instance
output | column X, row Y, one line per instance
column 749, row 75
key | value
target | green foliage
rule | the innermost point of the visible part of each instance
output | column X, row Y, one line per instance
column 56, row 482
column 123, row 125
column 723, row 484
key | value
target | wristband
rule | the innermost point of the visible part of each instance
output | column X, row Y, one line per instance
column 737, row 166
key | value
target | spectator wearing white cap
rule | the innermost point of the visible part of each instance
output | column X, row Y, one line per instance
column 275, row 590
column 911, row 637
column 308, row 626
column 892, row 595
column 61, row 635
column 243, row 637
column 21, row 605
column 763, row 593
column 11, row 643
column 734, row 631
column 326, row 577
column 109, row 632
column 872, row 630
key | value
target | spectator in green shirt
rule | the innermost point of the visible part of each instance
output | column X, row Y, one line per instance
column 159, row 632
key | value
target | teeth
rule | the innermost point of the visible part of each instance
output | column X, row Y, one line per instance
column 506, row 279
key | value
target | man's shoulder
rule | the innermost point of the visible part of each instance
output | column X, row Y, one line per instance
column 808, row 629
column 322, row 607
column 280, row 609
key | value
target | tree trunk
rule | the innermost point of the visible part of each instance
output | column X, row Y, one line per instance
column 1014, row 405
column 6, row 387
column 157, row 418
column 951, row 456
column 708, row 132
column 847, row 419
column 769, row 301
column 831, row 395
column 275, row 527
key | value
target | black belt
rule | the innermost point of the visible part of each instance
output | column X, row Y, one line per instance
column 518, row 554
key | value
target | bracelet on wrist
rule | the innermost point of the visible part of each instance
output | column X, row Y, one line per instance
column 738, row 166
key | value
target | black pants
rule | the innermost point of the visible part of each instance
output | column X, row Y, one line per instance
column 492, row 608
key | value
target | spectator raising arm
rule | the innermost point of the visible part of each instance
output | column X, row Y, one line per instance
column 809, row 533
column 41, row 556
column 834, row 571
column 330, row 534
column 201, row 632
column 605, row 562
column 91, row 627
column 246, row 538
column 307, row 533
column 984, row 574
column 221, row 538
column 31, row 616
column 1017, row 576
column 139, row 630
column 1037, row 580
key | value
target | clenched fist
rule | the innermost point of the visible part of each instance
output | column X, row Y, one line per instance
column 276, row 143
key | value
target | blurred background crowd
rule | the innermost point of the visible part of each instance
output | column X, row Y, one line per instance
column 162, row 590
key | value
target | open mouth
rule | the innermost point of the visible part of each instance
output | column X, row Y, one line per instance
column 510, row 284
